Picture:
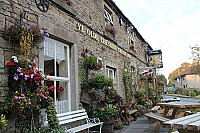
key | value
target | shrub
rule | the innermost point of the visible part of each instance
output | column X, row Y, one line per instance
column 193, row 94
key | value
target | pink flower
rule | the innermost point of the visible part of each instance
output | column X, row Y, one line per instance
column 147, row 74
column 40, row 105
column 38, row 94
column 42, row 90
column 48, row 79
column 16, row 97
column 29, row 102
column 22, row 95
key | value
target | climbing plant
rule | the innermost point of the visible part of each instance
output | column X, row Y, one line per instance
column 128, row 80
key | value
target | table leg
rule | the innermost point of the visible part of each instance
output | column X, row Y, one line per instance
column 157, row 127
column 165, row 112
column 181, row 114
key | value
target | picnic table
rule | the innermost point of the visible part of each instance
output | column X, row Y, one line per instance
column 179, row 108
column 186, row 124
column 170, row 100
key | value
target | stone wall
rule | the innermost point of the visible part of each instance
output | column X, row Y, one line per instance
column 63, row 20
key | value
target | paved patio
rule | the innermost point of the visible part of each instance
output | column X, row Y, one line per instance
column 142, row 125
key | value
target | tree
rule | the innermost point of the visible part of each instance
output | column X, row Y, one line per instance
column 184, row 66
column 162, row 78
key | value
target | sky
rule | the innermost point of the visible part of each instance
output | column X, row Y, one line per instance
column 170, row 25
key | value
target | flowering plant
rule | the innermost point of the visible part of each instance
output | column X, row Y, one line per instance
column 103, row 113
column 111, row 29
column 99, row 81
column 149, row 104
column 25, row 36
column 110, row 95
column 26, row 90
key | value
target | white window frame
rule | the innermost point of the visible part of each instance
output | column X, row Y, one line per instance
column 131, row 40
column 63, row 79
column 108, row 17
column 108, row 69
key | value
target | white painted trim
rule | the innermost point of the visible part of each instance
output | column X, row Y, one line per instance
column 69, row 88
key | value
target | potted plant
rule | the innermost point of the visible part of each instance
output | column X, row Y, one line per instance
column 105, row 114
column 141, row 109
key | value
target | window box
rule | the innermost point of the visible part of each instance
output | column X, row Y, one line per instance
column 111, row 30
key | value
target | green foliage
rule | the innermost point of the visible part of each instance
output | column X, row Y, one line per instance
column 103, row 113
column 90, row 61
column 197, row 92
column 51, row 114
column 162, row 78
column 186, row 91
column 193, row 94
column 3, row 121
column 179, row 91
column 100, row 80
column 140, row 107
column 171, row 91
column 141, row 91
column 128, row 80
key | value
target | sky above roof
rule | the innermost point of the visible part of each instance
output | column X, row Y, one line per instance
column 170, row 25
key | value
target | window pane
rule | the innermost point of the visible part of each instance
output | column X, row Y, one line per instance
column 61, row 68
column 49, row 56
column 62, row 97
column 111, row 73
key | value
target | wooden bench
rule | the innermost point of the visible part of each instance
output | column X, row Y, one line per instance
column 157, row 118
column 186, row 124
column 65, row 119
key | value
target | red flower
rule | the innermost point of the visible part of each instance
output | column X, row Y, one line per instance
column 34, row 64
column 48, row 79
column 47, row 93
column 86, row 55
column 12, row 26
column 23, row 72
column 36, row 78
column 52, row 88
column 5, row 32
column 40, row 105
column 31, row 80
column 24, row 69
column 93, row 79
column 5, row 26
column 61, row 89
column 27, row 72
column 37, row 83
column 10, row 64
column 32, row 70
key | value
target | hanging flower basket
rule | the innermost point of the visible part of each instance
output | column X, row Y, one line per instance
column 24, row 36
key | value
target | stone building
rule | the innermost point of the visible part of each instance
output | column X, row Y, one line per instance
column 75, row 25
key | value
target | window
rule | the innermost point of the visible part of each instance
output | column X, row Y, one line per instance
column 131, row 41
column 56, row 66
column 110, row 72
column 108, row 17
